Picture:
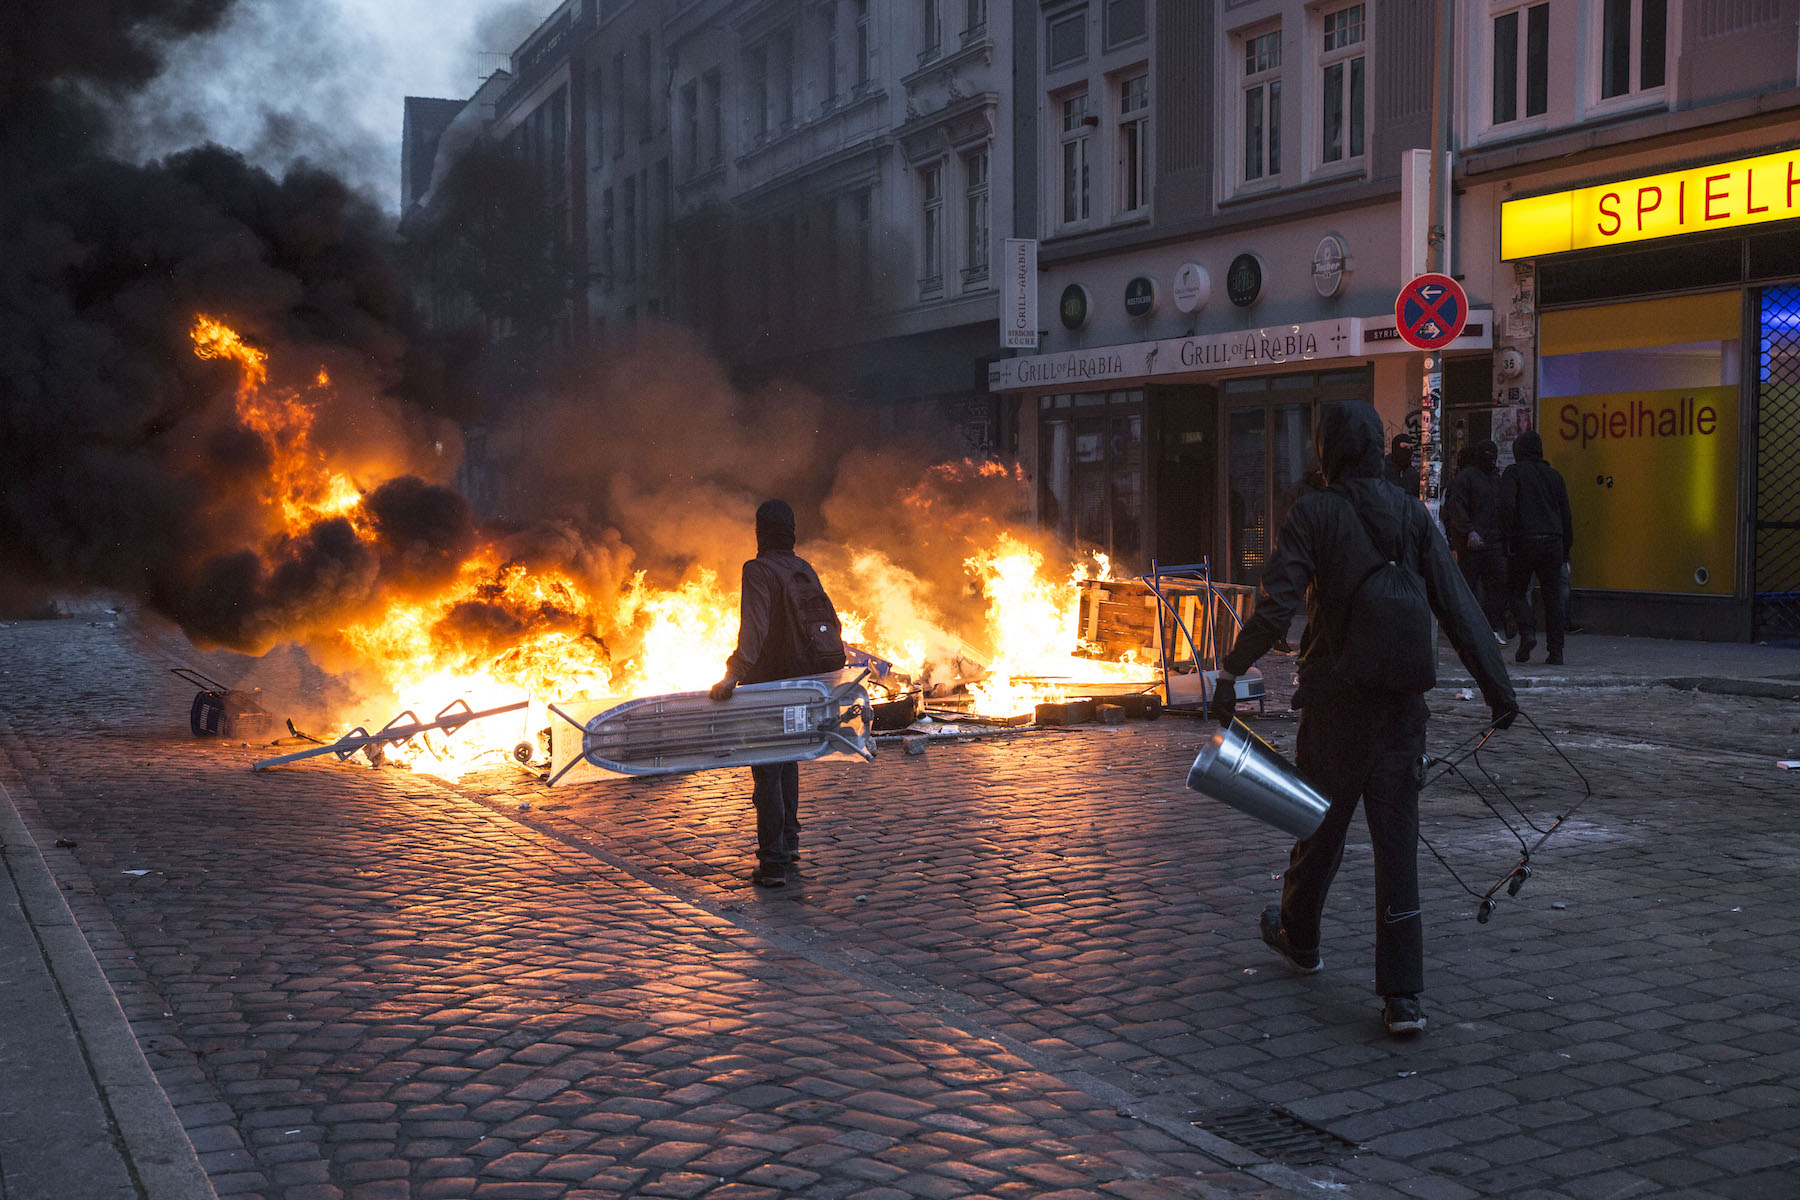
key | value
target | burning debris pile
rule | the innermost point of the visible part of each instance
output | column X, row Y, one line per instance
column 460, row 614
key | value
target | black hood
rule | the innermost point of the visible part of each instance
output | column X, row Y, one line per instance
column 1349, row 441
column 1486, row 455
column 1528, row 445
column 774, row 528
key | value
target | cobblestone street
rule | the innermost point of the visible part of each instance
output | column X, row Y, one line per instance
column 1017, row 966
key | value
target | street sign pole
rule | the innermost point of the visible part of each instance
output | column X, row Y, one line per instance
column 1431, row 400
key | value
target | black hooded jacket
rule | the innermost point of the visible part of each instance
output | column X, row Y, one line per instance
column 1473, row 504
column 765, row 648
column 1323, row 551
column 1534, row 502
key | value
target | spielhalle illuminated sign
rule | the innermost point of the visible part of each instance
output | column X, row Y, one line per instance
column 1749, row 191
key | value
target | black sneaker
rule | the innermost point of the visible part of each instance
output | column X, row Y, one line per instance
column 769, row 877
column 1526, row 646
column 1307, row 962
column 1553, row 659
column 1402, row 1015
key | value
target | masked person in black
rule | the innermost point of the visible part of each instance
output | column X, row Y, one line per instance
column 1539, row 530
column 1401, row 470
column 1361, row 691
column 787, row 628
column 1472, row 519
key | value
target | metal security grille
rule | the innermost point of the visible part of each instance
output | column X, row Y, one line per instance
column 1275, row 1134
column 1778, row 466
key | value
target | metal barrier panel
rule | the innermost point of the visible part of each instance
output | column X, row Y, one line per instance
column 1777, row 583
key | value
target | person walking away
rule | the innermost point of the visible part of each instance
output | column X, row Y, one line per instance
column 1539, row 530
column 787, row 628
column 1472, row 519
column 1401, row 470
column 1366, row 660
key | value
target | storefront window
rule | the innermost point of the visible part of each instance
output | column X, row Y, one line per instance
column 1638, row 408
column 1091, row 472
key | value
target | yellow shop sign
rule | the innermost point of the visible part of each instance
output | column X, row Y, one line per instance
column 1749, row 191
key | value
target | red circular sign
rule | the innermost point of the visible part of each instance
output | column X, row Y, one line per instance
column 1430, row 311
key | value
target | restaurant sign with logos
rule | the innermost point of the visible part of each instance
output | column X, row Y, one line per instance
column 1273, row 346
column 1747, row 191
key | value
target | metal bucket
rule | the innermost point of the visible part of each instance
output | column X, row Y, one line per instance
column 1240, row 769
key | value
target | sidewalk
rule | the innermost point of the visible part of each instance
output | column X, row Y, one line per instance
column 1724, row 668
column 80, row 1113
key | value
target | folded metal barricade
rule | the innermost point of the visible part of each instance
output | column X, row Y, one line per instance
column 1188, row 635
column 789, row 720
column 396, row 732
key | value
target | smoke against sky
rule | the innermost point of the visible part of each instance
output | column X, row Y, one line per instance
column 322, row 80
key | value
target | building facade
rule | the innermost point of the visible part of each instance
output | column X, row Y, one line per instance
column 1212, row 271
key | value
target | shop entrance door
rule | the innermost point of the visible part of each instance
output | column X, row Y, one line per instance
column 1269, row 449
column 1778, row 466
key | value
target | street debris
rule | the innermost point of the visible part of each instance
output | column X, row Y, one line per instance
column 134, row 872
column 1789, row 764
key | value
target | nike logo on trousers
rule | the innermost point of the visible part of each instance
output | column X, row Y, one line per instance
column 1394, row 918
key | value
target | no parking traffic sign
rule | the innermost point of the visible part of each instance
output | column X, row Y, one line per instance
column 1430, row 311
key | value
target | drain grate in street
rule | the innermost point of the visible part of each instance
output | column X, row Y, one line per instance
column 1275, row 1134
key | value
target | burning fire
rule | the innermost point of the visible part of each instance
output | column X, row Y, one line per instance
column 560, row 639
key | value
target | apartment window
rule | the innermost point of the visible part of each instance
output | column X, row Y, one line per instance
column 756, row 83
column 862, row 230
column 784, row 78
column 1068, row 38
column 647, row 101
column 931, row 229
column 1634, row 38
column 608, row 231
column 1521, row 63
column 931, row 29
column 1262, row 105
column 665, row 210
column 1341, row 64
column 619, row 109
column 628, row 219
column 1077, row 126
column 977, row 23
column 690, row 125
column 1124, row 22
column 1134, row 144
column 828, row 38
column 975, row 214
column 715, row 118
column 865, row 46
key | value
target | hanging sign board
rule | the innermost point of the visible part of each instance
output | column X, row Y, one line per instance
column 1019, row 328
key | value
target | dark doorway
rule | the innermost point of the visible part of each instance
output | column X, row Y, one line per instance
column 1187, row 470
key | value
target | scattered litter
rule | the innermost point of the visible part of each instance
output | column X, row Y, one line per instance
column 135, row 872
column 1406, row 1074
column 915, row 746
column 1558, row 904
column 1249, row 970
column 1465, row 694
column 291, row 1132
column 524, row 806
column 66, row 843
column 1789, row 764
column 861, row 899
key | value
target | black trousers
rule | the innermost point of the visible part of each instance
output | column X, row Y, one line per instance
column 1540, row 558
column 1363, row 749
column 1485, row 572
column 777, row 801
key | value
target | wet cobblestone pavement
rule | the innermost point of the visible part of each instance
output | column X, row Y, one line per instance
column 1019, row 966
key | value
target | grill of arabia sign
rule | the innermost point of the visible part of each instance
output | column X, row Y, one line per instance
column 1748, row 191
column 1247, row 348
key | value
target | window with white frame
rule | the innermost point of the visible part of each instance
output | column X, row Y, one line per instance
column 828, row 38
column 862, row 232
column 690, row 124
column 865, row 45
column 975, row 216
column 608, row 231
column 977, row 22
column 1134, row 144
column 1521, row 64
column 715, row 117
column 756, row 76
column 931, row 29
column 628, row 227
column 1076, row 129
column 620, row 85
column 647, row 80
column 1066, row 42
column 783, row 68
column 931, row 229
column 1633, row 47
column 1261, row 105
column 1342, row 84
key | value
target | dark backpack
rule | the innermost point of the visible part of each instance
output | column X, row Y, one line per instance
column 814, row 632
column 1387, row 639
